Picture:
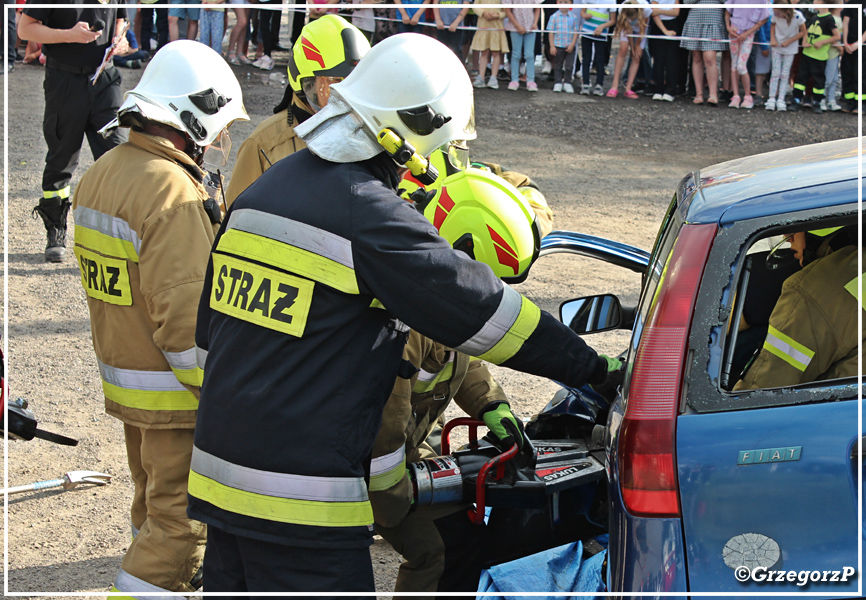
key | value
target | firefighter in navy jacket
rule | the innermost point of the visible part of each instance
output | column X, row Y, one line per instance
column 316, row 274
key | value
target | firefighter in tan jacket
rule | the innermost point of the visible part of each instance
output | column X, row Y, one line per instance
column 144, row 226
column 441, row 548
column 328, row 50
column 813, row 333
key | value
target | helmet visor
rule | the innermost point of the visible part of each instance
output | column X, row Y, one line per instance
column 457, row 154
column 217, row 153
column 317, row 90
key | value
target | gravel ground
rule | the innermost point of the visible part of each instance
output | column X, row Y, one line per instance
column 608, row 167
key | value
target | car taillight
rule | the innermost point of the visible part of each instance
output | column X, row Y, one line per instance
column 647, row 459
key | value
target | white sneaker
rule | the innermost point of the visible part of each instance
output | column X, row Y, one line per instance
column 257, row 63
column 780, row 106
column 667, row 98
column 267, row 63
column 557, row 87
column 585, row 89
column 492, row 83
column 567, row 88
column 823, row 104
column 657, row 96
column 547, row 68
column 478, row 82
column 599, row 91
column 770, row 104
column 833, row 106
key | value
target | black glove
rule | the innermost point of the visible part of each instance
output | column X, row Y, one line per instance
column 607, row 389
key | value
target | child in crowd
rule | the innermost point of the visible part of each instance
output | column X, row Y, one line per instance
column 596, row 20
column 742, row 23
column 211, row 24
column 630, row 31
column 134, row 58
column 821, row 33
column 704, row 36
column 489, row 40
column 449, row 14
column 831, row 71
column 788, row 27
column 411, row 13
column 562, row 35
column 521, row 24
column 665, row 52
column 760, row 60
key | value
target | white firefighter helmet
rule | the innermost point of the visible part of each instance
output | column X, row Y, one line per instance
column 189, row 87
column 409, row 83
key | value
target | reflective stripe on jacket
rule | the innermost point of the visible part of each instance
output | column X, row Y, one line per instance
column 301, row 360
column 142, row 238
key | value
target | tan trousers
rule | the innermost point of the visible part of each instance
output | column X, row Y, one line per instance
column 169, row 547
column 442, row 551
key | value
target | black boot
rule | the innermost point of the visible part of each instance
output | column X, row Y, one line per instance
column 54, row 212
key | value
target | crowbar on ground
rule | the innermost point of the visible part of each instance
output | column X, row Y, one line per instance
column 67, row 482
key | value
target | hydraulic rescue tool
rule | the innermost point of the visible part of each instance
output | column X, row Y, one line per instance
column 532, row 478
column 67, row 482
column 19, row 421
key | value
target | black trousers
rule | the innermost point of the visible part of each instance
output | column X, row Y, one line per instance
column 75, row 108
column 849, row 76
column 596, row 51
column 814, row 68
column 239, row 564
column 666, row 60
column 269, row 25
column 298, row 20
column 147, row 15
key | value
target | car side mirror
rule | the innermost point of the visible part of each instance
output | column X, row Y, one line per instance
column 592, row 314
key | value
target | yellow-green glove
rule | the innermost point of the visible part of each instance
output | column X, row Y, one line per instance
column 505, row 429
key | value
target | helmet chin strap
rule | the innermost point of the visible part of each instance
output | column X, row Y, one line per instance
column 193, row 150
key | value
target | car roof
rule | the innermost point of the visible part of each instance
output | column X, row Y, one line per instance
column 773, row 183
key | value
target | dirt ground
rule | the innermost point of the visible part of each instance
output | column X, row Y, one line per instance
column 608, row 167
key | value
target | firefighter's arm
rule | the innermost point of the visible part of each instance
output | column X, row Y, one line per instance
column 390, row 487
column 249, row 166
column 172, row 275
column 478, row 389
column 401, row 260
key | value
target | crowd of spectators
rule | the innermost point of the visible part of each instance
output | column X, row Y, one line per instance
column 716, row 52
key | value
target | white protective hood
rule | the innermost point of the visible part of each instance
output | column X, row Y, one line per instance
column 337, row 135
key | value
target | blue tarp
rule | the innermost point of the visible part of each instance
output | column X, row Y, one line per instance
column 556, row 570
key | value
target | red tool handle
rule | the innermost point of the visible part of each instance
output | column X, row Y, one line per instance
column 477, row 515
column 473, row 425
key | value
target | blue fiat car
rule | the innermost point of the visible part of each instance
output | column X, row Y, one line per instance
column 711, row 489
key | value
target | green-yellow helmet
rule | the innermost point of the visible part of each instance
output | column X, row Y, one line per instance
column 330, row 46
column 487, row 218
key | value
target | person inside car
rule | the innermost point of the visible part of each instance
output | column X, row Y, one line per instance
column 813, row 333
